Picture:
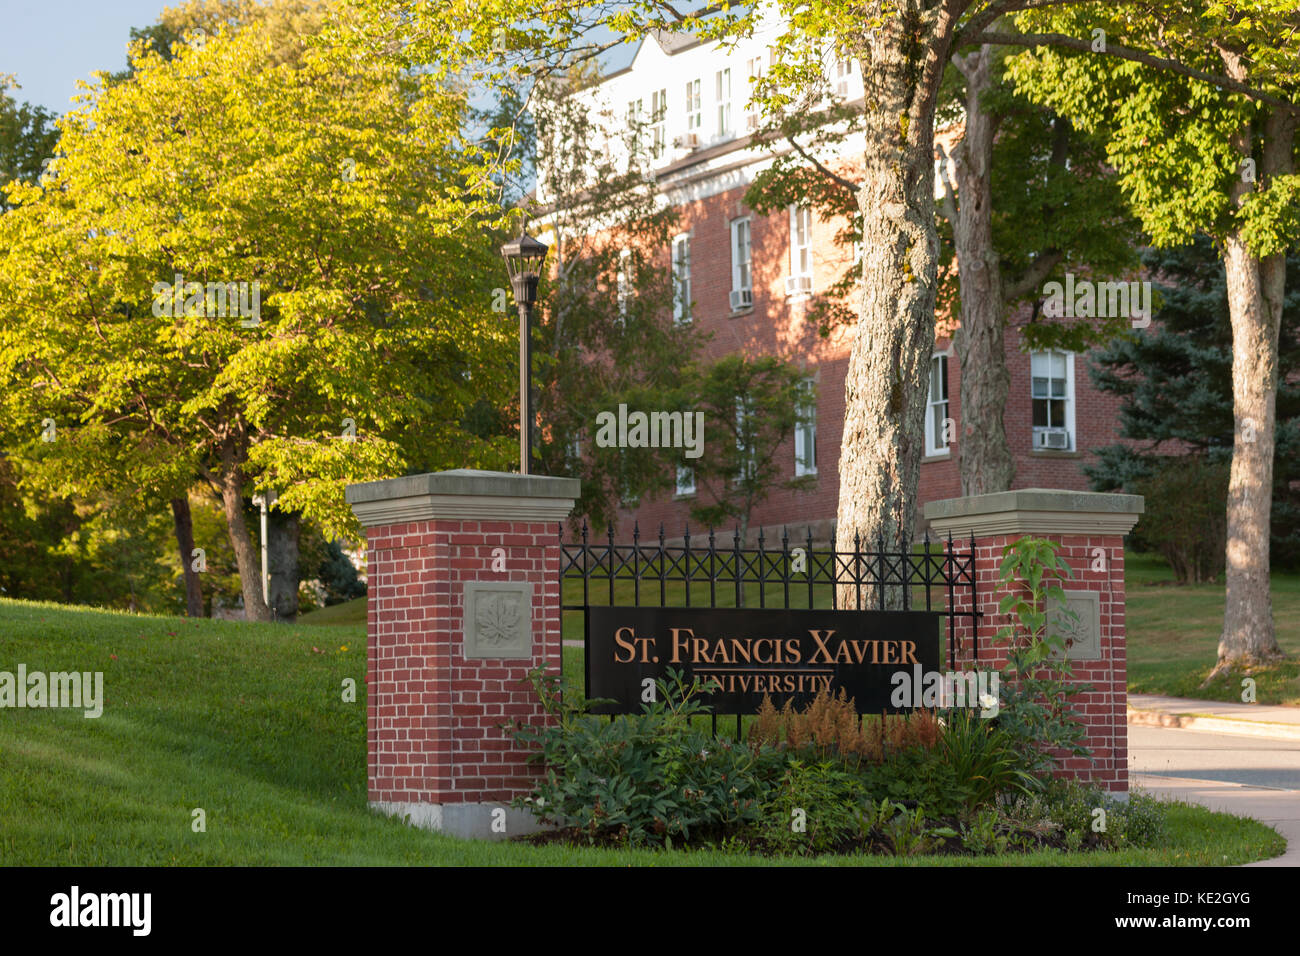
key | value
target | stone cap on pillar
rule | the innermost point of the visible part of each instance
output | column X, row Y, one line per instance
column 1035, row 511
column 463, row 494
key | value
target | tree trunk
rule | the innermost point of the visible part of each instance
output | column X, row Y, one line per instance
column 246, row 556
column 889, row 366
column 282, row 561
column 184, row 526
column 1255, row 293
column 983, row 453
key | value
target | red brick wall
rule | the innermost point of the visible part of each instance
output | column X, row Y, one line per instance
column 1104, row 708
column 434, row 718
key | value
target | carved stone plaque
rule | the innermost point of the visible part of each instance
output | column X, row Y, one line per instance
column 1083, row 633
column 498, row 619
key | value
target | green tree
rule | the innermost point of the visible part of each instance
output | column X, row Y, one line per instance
column 338, row 195
column 607, row 330
column 27, row 139
column 1032, row 199
column 1175, row 381
column 1196, row 157
column 751, row 409
column 904, row 47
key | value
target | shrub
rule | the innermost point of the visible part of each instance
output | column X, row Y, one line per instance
column 918, row 777
column 985, row 759
column 1071, row 807
column 830, row 727
column 642, row 778
column 1185, row 517
column 813, row 809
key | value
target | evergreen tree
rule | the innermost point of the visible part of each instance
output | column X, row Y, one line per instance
column 1176, row 382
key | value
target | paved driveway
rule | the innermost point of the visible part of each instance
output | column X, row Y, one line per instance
column 1248, row 776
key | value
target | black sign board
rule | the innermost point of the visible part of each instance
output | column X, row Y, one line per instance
column 780, row 653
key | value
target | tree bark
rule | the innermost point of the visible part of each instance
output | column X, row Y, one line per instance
column 983, row 453
column 1255, row 292
column 282, row 562
column 184, row 526
column 247, row 558
column 889, row 365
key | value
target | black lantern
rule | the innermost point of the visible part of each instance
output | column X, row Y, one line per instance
column 524, row 257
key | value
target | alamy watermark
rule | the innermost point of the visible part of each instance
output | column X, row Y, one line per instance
column 68, row 689
column 653, row 430
column 215, row 300
column 1085, row 299
column 129, row 910
column 936, row 689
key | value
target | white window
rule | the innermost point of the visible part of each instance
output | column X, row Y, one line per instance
column 741, row 287
column 752, row 114
column 936, row 407
column 694, row 107
column 1052, row 392
column 624, row 283
column 682, row 279
column 722, row 87
column 658, row 123
column 805, row 432
column 800, row 251
column 843, row 70
column 685, row 481
column 635, row 132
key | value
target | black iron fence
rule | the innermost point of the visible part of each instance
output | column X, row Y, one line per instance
column 935, row 576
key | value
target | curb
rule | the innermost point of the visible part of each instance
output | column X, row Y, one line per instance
column 1214, row 725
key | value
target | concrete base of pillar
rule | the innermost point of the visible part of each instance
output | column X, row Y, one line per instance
column 468, row 821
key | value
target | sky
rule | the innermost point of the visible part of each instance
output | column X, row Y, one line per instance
column 50, row 44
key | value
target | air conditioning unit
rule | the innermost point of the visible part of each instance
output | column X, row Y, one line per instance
column 687, row 141
column 741, row 299
column 1054, row 438
column 798, row 285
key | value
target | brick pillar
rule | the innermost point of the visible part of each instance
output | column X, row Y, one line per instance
column 1090, row 528
column 464, row 596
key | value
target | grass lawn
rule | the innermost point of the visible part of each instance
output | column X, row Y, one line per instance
column 1173, row 635
column 247, row 722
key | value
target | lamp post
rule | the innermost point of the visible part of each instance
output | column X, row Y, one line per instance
column 524, row 257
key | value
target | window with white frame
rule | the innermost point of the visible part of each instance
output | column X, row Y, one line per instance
column 936, row 407
column 800, row 250
column 685, row 481
column 741, row 279
column 722, row 90
column 843, row 70
column 624, row 283
column 694, row 107
column 635, row 132
column 1052, row 392
column 805, row 432
column 682, row 279
column 752, row 115
column 658, row 123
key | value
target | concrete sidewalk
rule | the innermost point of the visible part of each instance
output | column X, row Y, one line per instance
column 1208, row 716
column 1279, row 809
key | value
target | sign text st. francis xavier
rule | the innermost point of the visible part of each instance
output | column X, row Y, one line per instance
column 750, row 653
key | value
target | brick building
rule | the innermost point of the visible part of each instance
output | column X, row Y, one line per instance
column 749, row 279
